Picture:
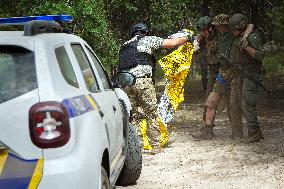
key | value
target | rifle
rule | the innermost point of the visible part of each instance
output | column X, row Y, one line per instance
column 248, row 74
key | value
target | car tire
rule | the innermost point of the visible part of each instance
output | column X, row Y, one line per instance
column 104, row 179
column 132, row 167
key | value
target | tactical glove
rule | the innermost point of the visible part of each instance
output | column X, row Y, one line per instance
column 243, row 43
column 188, row 34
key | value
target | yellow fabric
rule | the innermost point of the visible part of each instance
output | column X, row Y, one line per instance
column 175, row 89
column 164, row 133
column 175, row 66
column 143, row 130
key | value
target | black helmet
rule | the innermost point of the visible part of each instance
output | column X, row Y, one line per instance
column 139, row 27
column 238, row 21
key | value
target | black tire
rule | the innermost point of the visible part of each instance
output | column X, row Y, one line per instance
column 131, row 170
column 105, row 180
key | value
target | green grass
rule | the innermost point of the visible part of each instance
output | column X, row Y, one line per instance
column 274, row 63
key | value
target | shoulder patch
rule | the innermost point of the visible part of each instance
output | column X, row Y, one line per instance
column 254, row 40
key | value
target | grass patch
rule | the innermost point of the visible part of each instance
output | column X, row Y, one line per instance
column 274, row 63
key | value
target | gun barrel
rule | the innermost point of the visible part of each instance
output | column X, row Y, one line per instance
column 247, row 73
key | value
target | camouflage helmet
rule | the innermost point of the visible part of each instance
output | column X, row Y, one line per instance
column 220, row 19
column 238, row 21
column 203, row 22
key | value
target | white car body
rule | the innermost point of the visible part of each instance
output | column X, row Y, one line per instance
column 96, row 130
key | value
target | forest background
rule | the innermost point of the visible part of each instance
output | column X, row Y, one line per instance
column 105, row 24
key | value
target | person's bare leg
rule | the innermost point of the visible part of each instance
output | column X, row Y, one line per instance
column 206, row 132
column 212, row 103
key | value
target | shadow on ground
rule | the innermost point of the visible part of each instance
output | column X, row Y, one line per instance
column 188, row 118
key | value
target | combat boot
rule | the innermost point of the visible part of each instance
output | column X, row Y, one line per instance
column 253, row 136
column 237, row 134
column 212, row 132
column 205, row 133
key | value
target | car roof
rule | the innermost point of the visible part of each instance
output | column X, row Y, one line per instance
column 16, row 37
column 11, row 33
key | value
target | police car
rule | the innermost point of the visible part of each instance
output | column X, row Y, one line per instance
column 63, row 123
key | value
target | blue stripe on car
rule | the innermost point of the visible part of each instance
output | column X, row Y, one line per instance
column 78, row 105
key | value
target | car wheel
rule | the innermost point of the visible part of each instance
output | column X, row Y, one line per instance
column 105, row 180
column 131, row 170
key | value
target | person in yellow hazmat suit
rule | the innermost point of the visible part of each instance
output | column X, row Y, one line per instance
column 136, row 56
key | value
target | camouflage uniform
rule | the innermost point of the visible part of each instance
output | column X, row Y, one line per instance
column 250, row 89
column 201, row 56
column 227, row 84
column 142, row 95
column 201, row 61
column 207, row 57
column 223, row 46
column 213, row 64
column 232, row 88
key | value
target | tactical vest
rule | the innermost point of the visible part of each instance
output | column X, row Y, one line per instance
column 130, row 57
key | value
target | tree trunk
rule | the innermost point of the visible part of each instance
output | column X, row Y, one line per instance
column 205, row 11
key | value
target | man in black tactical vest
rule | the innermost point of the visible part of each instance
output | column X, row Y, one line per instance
column 136, row 56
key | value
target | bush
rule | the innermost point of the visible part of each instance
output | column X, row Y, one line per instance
column 274, row 63
column 277, row 18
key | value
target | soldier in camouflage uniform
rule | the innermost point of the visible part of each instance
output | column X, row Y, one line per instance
column 227, row 82
column 208, row 42
column 206, row 55
column 204, row 39
column 136, row 56
column 247, row 53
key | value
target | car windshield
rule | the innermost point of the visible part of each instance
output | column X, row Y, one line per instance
column 17, row 72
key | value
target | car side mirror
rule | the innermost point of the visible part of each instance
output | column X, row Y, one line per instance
column 123, row 79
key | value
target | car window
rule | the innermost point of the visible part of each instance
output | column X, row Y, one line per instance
column 66, row 66
column 102, row 73
column 88, row 74
column 17, row 72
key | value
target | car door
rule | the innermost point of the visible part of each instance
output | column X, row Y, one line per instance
column 19, row 157
column 18, row 92
column 92, row 85
column 112, row 100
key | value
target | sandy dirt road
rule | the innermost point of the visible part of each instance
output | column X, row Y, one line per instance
column 221, row 163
